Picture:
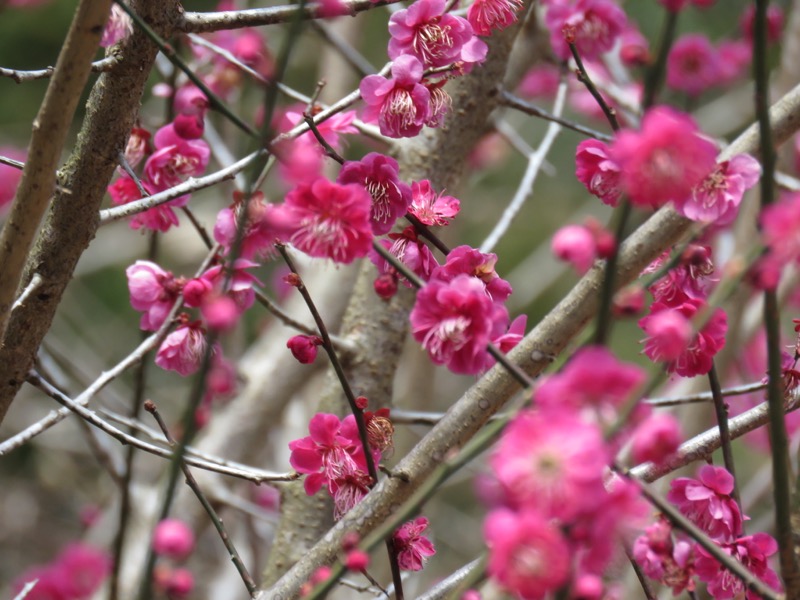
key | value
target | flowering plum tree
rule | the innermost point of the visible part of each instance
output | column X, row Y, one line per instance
column 213, row 178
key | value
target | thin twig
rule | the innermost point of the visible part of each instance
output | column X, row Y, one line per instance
column 150, row 407
column 584, row 78
column 528, row 180
column 655, row 75
column 100, row 66
column 512, row 101
column 721, row 411
column 34, row 283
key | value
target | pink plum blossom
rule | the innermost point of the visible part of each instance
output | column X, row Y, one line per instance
column 435, row 38
column 669, row 333
column 717, row 198
column 455, row 320
column 708, row 502
column 304, row 347
column 690, row 279
column 409, row 249
column 153, row 291
column 175, row 159
column 595, row 169
column 412, row 548
column 260, row 227
column 594, row 25
column 328, row 220
column 220, row 312
column 634, row 48
column 575, row 244
column 464, row 260
column 379, row 175
column 697, row 358
column 432, row 208
column 183, row 349
column 656, row 439
column 663, row 161
column 76, row 573
column 753, row 552
column 488, row 15
column 118, row 27
column 158, row 218
column 665, row 556
column 400, row 105
column 692, row 65
column 551, row 462
column 516, row 331
column 735, row 57
column 137, row 146
column 173, row 538
column 527, row 555
column 774, row 22
column 234, row 281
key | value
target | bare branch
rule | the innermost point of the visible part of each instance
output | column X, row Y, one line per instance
column 100, row 66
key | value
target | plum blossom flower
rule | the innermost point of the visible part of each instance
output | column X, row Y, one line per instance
column 576, row 245
column 137, row 146
column 304, row 347
column 118, row 27
column 692, row 65
column 464, row 260
column 400, row 105
column 663, row 161
column 666, row 557
column 408, row 249
column 527, row 555
column 551, row 462
column 435, row 38
column 158, row 218
column 432, row 208
column 516, row 331
column 455, row 320
column 656, row 439
column 752, row 551
column 488, row 15
column 594, row 25
column 669, row 333
column 690, row 279
column 697, row 358
column 717, row 198
column 774, row 22
column 379, row 174
column 175, row 159
column 708, row 503
column 183, row 349
column 595, row 169
column 77, row 572
column 412, row 548
column 173, row 538
column 328, row 220
column 260, row 226
column 153, row 291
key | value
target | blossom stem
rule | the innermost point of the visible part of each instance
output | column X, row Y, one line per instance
column 721, row 410
column 583, row 77
column 604, row 316
column 425, row 232
column 655, row 75
column 781, row 465
column 151, row 407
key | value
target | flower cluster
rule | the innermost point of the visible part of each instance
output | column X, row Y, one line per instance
column 671, row 558
column 678, row 297
column 77, row 573
column 557, row 512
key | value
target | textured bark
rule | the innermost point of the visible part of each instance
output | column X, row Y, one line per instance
column 533, row 354
column 72, row 219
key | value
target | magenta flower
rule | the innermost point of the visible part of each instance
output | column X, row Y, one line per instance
column 735, row 57
column 9, row 176
column 412, row 548
column 118, row 27
column 656, row 439
column 159, row 218
column 780, row 229
column 551, row 462
column 464, row 260
column 304, row 347
column 665, row 160
column 697, row 358
column 175, row 159
column 379, row 174
column 594, row 378
column 327, row 220
column 328, row 454
column 664, row 559
column 516, row 331
column 400, row 105
column 137, row 146
column 774, row 22
column 183, row 349
column 348, row 490
column 708, row 502
column 488, row 15
column 173, row 538
column 575, row 244
column 595, row 170
column 594, row 25
column 261, row 228
column 435, row 38
column 527, row 555
column 432, row 208
column 752, row 551
column 693, row 65
column 455, row 320
column 690, row 279
column 238, row 281
column 634, row 48
column 440, row 103
column 717, row 198
column 153, row 291
column 410, row 250
column 669, row 334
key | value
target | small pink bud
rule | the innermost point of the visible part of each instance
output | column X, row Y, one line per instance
column 362, row 402
column 629, row 301
column 350, row 541
column 304, row 348
column 320, row 575
column 221, row 313
column 386, row 286
column 357, row 560
column 293, row 279
column 189, row 127
column 195, row 291
column 180, row 583
column 173, row 538
column 268, row 497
